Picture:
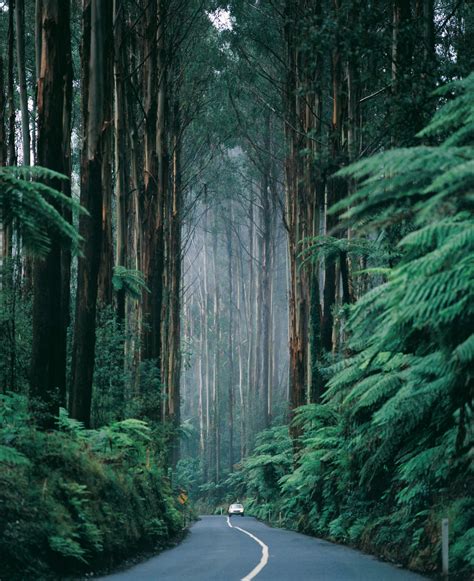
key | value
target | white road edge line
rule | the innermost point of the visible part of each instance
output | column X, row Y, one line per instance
column 265, row 555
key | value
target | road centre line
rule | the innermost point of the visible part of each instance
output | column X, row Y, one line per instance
column 265, row 555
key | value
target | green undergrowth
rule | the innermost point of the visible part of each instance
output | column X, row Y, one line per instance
column 76, row 500
column 387, row 452
column 319, row 495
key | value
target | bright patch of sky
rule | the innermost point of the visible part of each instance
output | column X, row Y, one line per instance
column 221, row 19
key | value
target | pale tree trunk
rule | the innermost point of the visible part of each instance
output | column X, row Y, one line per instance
column 272, row 340
column 201, row 372
column 273, row 345
column 230, row 344
column 250, row 330
column 97, row 18
column 11, row 85
column 216, row 374
column 266, row 290
column 20, row 59
column 258, row 347
column 256, row 251
column 34, row 125
column 207, row 362
column 240, row 355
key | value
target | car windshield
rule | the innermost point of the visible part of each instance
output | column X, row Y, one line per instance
column 236, row 506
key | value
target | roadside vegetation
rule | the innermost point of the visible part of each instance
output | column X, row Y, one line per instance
column 387, row 454
column 75, row 500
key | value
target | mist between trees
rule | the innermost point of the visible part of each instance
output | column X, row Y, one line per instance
column 235, row 316
column 236, row 259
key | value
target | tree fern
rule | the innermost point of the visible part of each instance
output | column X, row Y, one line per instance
column 31, row 207
column 130, row 281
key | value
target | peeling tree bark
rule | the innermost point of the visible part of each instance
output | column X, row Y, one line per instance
column 51, row 275
column 20, row 59
column 97, row 20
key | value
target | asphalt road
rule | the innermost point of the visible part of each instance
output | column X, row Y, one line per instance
column 215, row 551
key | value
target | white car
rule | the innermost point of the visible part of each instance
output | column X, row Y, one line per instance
column 236, row 509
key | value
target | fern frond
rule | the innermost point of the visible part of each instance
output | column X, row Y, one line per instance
column 12, row 457
column 464, row 353
column 70, row 425
column 131, row 281
column 32, row 208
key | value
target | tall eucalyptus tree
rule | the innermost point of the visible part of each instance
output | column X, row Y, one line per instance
column 51, row 274
column 97, row 31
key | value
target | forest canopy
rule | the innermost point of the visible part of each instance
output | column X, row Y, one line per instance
column 236, row 261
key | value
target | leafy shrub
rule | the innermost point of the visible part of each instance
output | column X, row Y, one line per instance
column 74, row 498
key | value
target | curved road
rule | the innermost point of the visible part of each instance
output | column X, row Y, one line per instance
column 219, row 549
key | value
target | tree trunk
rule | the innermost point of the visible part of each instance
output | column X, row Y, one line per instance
column 251, row 327
column 148, row 210
column 336, row 187
column 216, row 374
column 298, row 300
column 121, row 145
column 107, row 253
column 107, row 148
column 239, row 333
column 3, row 108
column 156, row 183
column 51, row 275
column 201, row 371
column 20, row 59
column 133, row 309
column 230, row 343
column 96, row 37
column 403, row 112
column 173, row 288
column 11, row 86
column 207, row 360
column 258, row 358
column 38, row 36
column 265, row 269
column 3, row 162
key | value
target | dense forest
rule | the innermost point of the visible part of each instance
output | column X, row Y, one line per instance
column 236, row 263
